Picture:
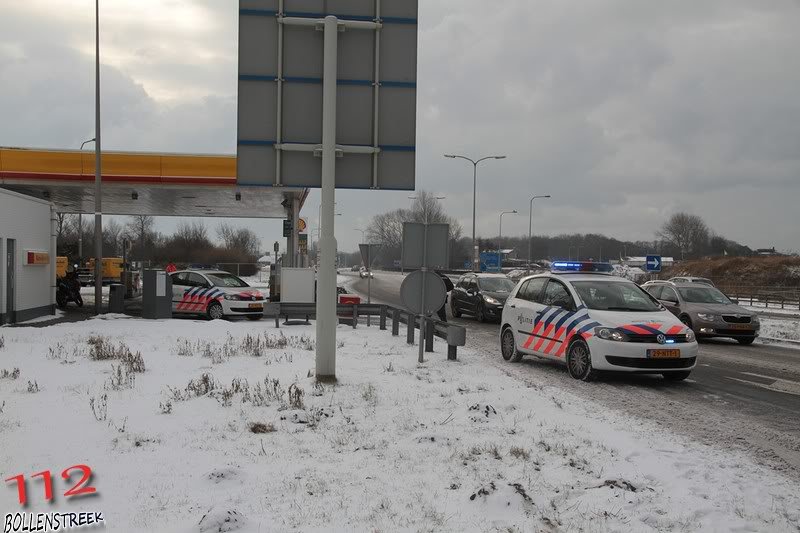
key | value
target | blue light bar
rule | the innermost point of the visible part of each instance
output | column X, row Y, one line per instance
column 581, row 266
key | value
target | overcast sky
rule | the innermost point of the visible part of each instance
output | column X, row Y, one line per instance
column 623, row 111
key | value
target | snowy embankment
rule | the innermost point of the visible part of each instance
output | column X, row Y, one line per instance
column 218, row 426
column 781, row 330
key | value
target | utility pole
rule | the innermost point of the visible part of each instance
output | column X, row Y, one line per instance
column 530, row 226
column 98, row 209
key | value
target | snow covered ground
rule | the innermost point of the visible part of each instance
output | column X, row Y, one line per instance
column 224, row 430
column 780, row 329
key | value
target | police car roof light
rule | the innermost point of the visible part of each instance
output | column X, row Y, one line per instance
column 582, row 266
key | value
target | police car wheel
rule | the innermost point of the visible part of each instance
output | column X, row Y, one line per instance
column 579, row 361
column 215, row 311
column 254, row 317
column 456, row 312
column 508, row 347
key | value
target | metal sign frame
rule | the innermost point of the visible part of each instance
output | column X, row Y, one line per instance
column 281, row 86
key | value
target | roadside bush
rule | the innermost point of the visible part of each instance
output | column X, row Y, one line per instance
column 9, row 374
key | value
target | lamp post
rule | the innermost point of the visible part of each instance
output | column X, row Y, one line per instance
column 80, row 214
column 474, row 194
column 98, row 212
column 500, row 238
column 363, row 234
column 530, row 226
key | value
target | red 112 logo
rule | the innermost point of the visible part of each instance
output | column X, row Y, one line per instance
column 80, row 488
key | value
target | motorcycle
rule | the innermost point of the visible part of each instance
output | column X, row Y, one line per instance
column 69, row 290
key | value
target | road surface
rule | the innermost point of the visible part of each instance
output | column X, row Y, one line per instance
column 738, row 397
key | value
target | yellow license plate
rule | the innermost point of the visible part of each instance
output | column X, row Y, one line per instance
column 663, row 354
column 741, row 326
column 256, row 306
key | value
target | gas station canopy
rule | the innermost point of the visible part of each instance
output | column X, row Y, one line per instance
column 142, row 184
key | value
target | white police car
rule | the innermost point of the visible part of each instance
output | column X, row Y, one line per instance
column 593, row 321
column 215, row 294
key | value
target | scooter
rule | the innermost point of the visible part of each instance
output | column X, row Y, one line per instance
column 69, row 290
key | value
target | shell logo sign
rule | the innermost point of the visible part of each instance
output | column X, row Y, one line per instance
column 301, row 225
column 33, row 257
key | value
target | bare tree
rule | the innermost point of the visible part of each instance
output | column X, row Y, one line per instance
column 140, row 229
column 112, row 233
column 192, row 234
column 242, row 240
column 689, row 233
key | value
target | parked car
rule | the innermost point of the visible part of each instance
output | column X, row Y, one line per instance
column 692, row 279
column 706, row 310
column 480, row 295
column 215, row 294
column 581, row 315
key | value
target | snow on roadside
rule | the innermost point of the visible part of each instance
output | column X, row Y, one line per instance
column 394, row 445
column 780, row 329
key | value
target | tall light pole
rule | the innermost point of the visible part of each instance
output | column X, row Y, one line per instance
column 363, row 234
column 501, row 222
column 475, row 260
column 80, row 214
column 98, row 210
column 425, row 211
column 530, row 226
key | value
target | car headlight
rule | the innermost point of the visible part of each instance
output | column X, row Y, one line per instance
column 707, row 317
column 490, row 300
column 610, row 334
column 232, row 297
column 690, row 336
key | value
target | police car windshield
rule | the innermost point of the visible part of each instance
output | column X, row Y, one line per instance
column 604, row 295
column 703, row 295
column 496, row 284
column 223, row 279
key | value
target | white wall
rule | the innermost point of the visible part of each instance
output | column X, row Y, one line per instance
column 27, row 220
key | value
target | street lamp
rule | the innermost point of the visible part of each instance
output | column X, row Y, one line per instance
column 474, row 193
column 500, row 238
column 80, row 214
column 98, row 216
column 425, row 212
column 363, row 234
column 530, row 225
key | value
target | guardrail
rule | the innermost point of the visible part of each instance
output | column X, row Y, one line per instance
column 454, row 335
column 766, row 297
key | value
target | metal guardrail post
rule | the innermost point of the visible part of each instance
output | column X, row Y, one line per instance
column 355, row 315
column 429, row 331
column 383, row 317
column 410, row 332
column 452, row 352
column 395, row 322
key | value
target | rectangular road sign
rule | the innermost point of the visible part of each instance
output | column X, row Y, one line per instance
column 490, row 262
column 652, row 263
column 280, row 99
column 438, row 241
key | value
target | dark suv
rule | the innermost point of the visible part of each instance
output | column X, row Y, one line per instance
column 480, row 295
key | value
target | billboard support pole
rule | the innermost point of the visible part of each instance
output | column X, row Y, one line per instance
column 326, row 283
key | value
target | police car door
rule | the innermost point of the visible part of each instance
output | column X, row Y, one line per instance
column 558, row 310
column 526, row 307
column 179, row 286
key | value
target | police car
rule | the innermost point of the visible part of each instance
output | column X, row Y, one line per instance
column 593, row 321
column 215, row 294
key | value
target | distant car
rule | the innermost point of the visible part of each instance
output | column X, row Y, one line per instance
column 581, row 315
column 706, row 310
column 355, row 268
column 480, row 295
column 692, row 279
column 364, row 273
column 215, row 294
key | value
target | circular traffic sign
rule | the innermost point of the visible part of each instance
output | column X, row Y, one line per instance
column 411, row 292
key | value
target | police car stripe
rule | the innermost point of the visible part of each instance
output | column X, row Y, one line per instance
column 650, row 328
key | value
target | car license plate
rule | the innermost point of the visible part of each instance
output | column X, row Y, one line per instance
column 256, row 306
column 663, row 354
column 740, row 326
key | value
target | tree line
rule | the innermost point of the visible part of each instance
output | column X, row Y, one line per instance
column 190, row 243
column 682, row 236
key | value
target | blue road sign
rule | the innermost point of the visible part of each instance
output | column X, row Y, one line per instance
column 468, row 264
column 490, row 262
column 652, row 263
